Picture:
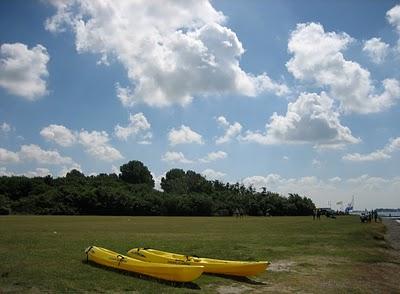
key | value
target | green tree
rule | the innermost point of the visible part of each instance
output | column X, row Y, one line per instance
column 135, row 172
column 174, row 181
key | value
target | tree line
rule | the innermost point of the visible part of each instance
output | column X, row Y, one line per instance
column 185, row 193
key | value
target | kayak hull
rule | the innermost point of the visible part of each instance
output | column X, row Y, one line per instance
column 215, row 266
column 168, row 272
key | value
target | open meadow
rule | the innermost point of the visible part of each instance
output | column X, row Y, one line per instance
column 46, row 253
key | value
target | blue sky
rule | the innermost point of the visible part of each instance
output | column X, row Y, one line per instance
column 293, row 96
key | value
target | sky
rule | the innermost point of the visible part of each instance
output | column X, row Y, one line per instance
column 297, row 97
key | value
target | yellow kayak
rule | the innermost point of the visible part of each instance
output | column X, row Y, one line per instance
column 216, row 266
column 164, row 271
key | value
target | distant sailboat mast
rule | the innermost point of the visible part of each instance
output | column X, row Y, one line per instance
column 350, row 206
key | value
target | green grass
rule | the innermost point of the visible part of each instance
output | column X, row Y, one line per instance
column 45, row 253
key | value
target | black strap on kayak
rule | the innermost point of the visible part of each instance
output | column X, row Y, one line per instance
column 120, row 257
column 87, row 253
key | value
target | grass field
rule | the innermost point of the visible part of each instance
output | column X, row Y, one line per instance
column 45, row 253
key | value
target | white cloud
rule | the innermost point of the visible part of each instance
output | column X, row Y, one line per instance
column 4, row 172
column 138, row 125
column 285, row 157
column 316, row 163
column 175, row 157
column 373, row 156
column 211, row 174
column 171, row 52
column 7, row 156
column 157, row 181
column 38, row 172
column 380, row 154
column 59, row 134
column 35, row 153
column 335, row 180
column 232, row 131
column 310, row 119
column 317, row 57
column 38, row 155
column 376, row 49
column 365, row 189
column 393, row 17
column 184, row 135
column 5, row 128
column 213, row 156
column 23, row 70
column 95, row 143
column 146, row 139
column 115, row 170
column 66, row 169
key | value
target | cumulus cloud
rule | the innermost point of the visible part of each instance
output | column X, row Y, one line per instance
column 184, row 135
column 310, row 119
column 175, row 157
column 95, row 143
column 4, row 172
column 138, row 127
column 376, row 49
column 373, row 156
column 35, row 153
column 157, row 181
column 213, row 156
column 232, row 131
column 59, row 134
column 38, row 172
column 66, row 169
column 23, row 71
column 318, row 57
column 393, row 17
column 171, row 52
column 211, row 174
column 381, row 154
column 7, row 156
column 335, row 180
column 115, row 170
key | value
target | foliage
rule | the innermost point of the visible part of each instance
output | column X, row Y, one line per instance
column 135, row 172
column 132, row 193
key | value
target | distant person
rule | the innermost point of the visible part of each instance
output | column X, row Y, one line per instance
column 314, row 214
column 318, row 214
column 375, row 215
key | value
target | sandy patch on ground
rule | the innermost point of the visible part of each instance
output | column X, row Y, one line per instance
column 281, row 266
column 233, row 289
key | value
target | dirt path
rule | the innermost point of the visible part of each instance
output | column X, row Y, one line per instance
column 393, row 232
